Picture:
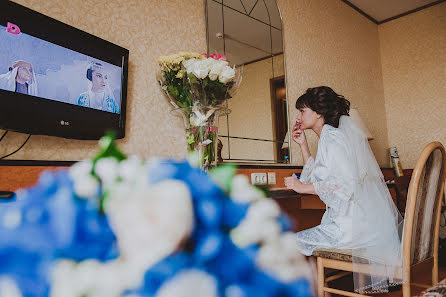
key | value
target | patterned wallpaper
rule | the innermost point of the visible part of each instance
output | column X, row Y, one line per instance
column 329, row 43
column 413, row 51
column 326, row 43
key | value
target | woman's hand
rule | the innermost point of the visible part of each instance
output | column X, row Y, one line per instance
column 296, row 185
column 293, row 183
column 299, row 134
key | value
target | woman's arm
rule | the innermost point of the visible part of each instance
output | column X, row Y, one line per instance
column 299, row 187
column 300, row 138
column 305, row 152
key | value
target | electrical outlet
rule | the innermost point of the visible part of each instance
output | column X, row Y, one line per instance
column 271, row 178
column 258, row 178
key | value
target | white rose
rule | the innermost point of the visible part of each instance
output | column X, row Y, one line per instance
column 107, row 169
column 281, row 259
column 9, row 288
column 131, row 168
column 251, row 231
column 188, row 63
column 85, row 185
column 226, row 75
column 199, row 68
column 93, row 278
column 188, row 283
column 243, row 191
column 216, row 67
column 160, row 216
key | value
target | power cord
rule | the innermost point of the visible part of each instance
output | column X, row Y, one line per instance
column 5, row 156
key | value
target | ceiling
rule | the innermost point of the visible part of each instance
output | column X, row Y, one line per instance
column 244, row 30
column 380, row 11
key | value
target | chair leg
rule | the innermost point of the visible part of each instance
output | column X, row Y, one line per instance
column 435, row 271
column 406, row 290
column 320, row 277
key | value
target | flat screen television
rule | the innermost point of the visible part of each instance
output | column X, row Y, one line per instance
column 58, row 80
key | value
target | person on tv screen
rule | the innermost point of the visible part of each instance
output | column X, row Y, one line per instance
column 20, row 78
column 98, row 96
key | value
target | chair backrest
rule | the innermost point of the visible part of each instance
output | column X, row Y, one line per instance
column 422, row 215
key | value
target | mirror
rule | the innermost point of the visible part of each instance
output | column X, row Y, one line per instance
column 249, row 33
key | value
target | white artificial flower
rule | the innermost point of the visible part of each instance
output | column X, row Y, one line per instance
column 9, row 288
column 189, row 283
column 243, row 191
column 259, row 224
column 84, row 184
column 131, row 169
column 263, row 209
column 226, row 75
column 281, row 258
column 81, row 169
column 107, row 169
column 250, row 232
column 93, row 278
column 150, row 222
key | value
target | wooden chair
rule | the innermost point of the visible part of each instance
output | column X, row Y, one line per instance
column 421, row 227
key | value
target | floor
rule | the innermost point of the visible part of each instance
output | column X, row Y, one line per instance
column 345, row 283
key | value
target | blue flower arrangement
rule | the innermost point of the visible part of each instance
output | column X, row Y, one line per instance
column 115, row 226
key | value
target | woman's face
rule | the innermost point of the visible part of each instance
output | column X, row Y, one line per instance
column 24, row 74
column 307, row 118
column 99, row 80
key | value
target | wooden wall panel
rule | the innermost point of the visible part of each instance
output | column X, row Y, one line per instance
column 13, row 178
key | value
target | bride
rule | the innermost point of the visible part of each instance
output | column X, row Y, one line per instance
column 360, row 215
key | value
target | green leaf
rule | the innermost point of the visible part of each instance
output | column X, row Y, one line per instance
column 190, row 138
column 173, row 91
column 223, row 175
column 108, row 148
column 193, row 79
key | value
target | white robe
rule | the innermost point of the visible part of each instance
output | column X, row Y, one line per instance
column 331, row 176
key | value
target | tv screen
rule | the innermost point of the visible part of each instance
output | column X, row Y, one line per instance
column 58, row 80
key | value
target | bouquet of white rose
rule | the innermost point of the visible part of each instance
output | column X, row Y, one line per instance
column 192, row 79
column 198, row 85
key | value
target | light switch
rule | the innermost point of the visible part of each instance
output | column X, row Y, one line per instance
column 271, row 178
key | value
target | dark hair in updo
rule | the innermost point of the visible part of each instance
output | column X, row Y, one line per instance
column 324, row 101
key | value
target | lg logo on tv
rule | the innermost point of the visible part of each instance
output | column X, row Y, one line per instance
column 63, row 123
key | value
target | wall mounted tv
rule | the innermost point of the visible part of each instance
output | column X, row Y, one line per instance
column 58, row 80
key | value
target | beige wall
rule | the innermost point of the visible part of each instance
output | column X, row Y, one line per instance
column 148, row 29
column 326, row 43
column 413, row 51
column 329, row 43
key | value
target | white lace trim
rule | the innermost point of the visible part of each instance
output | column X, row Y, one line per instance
column 334, row 193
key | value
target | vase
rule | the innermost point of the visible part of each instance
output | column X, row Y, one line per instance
column 201, row 127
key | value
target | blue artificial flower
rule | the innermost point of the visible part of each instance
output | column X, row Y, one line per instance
column 233, row 213
column 232, row 264
column 161, row 272
column 285, row 222
column 48, row 222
